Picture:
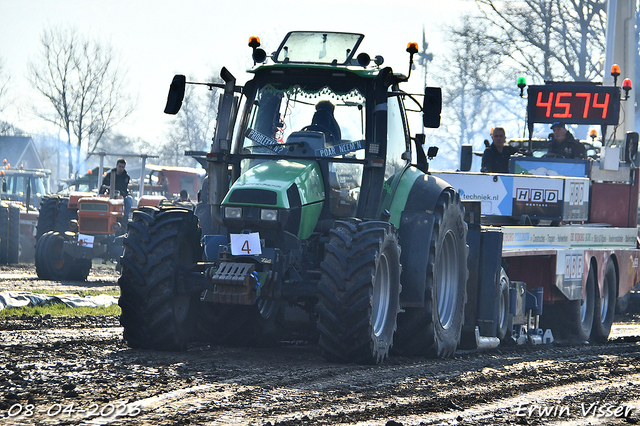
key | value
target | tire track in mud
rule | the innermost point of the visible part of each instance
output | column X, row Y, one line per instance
column 293, row 386
column 83, row 361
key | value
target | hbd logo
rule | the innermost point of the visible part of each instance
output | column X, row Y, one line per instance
column 530, row 195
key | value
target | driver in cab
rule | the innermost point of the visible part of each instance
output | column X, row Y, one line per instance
column 563, row 144
column 324, row 121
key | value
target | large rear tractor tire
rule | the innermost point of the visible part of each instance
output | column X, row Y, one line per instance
column 604, row 307
column 571, row 321
column 64, row 215
column 47, row 215
column 13, row 255
column 155, row 314
column 434, row 330
column 359, row 292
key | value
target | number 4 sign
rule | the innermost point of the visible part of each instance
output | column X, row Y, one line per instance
column 245, row 244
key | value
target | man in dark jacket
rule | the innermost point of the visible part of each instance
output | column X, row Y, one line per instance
column 563, row 143
column 496, row 157
column 122, row 184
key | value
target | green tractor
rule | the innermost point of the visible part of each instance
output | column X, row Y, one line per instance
column 317, row 215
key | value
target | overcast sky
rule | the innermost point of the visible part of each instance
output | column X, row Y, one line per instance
column 157, row 39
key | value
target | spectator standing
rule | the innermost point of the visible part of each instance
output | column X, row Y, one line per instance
column 496, row 157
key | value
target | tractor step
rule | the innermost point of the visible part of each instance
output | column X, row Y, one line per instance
column 234, row 283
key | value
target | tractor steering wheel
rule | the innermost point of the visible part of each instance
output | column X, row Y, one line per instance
column 319, row 128
column 552, row 155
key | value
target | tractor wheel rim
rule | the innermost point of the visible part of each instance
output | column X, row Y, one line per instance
column 447, row 280
column 381, row 294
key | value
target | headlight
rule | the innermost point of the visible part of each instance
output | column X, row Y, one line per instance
column 233, row 212
column 266, row 214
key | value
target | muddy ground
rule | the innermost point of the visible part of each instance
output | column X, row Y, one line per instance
column 78, row 371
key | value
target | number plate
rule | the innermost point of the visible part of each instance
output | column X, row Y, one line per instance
column 245, row 244
column 85, row 240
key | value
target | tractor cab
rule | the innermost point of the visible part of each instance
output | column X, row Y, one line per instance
column 317, row 106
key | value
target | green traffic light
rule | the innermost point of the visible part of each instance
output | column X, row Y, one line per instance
column 522, row 82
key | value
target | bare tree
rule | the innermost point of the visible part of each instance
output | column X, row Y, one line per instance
column 6, row 128
column 476, row 95
column 544, row 39
column 85, row 86
column 4, row 85
column 550, row 39
column 192, row 128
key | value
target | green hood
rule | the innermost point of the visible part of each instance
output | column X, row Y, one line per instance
column 269, row 184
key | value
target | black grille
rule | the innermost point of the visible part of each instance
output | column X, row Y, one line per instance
column 254, row 196
column 92, row 225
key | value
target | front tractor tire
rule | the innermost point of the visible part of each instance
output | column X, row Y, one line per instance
column 359, row 292
column 159, row 243
column 434, row 330
column 52, row 263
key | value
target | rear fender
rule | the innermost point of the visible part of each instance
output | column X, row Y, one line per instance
column 415, row 199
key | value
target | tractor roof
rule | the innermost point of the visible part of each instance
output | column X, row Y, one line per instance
column 321, row 50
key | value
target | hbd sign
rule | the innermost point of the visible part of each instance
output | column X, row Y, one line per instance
column 538, row 196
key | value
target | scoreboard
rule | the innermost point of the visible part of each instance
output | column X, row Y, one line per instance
column 574, row 104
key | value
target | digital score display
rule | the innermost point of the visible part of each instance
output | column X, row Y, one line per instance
column 574, row 104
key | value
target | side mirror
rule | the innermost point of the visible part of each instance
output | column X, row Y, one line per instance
column 176, row 95
column 432, row 152
column 432, row 107
column 466, row 157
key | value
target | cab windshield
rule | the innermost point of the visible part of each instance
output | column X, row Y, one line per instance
column 294, row 122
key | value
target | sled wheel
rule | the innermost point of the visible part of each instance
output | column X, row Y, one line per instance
column 434, row 330
column 505, row 318
column 571, row 321
column 604, row 306
column 359, row 292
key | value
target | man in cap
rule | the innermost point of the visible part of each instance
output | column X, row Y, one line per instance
column 563, row 144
